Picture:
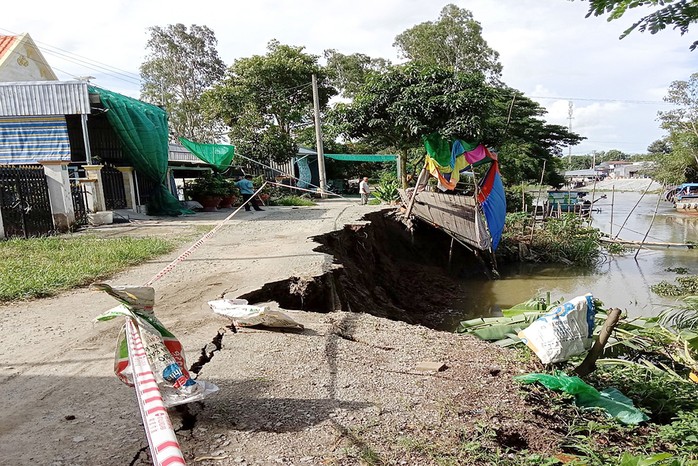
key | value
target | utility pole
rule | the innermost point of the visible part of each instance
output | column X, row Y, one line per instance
column 318, row 141
column 570, row 112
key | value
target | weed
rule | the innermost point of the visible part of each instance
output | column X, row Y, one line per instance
column 293, row 201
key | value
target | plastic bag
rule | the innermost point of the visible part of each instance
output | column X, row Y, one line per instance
column 246, row 315
column 163, row 350
column 562, row 332
column 611, row 400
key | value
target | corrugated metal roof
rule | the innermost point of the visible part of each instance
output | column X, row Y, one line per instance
column 44, row 98
column 5, row 43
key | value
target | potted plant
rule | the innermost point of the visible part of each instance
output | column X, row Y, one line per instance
column 208, row 190
column 230, row 197
column 264, row 195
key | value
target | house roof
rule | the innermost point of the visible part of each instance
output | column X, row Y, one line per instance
column 6, row 44
column 44, row 98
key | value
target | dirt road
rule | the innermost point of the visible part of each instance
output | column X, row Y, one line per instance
column 343, row 391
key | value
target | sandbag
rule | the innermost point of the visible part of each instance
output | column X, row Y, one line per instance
column 562, row 332
column 163, row 350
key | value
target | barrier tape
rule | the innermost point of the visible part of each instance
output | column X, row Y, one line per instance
column 201, row 240
column 162, row 440
column 318, row 191
column 164, row 448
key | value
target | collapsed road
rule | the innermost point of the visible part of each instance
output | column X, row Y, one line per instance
column 344, row 390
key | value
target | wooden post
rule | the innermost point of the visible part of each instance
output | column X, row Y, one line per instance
column 414, row 194
column 540, row 186
column 318, row 141
column 656, row 207
column 613, row 200
column 589, row 364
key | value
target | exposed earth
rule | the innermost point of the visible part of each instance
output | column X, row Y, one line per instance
column 345, row 390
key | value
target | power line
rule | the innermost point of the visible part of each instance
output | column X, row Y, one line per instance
column 96, row 66
column 627, row 101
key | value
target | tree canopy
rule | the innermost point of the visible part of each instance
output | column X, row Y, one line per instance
column 453, row 41
column 181, row 64
column 677, row 14
column 681, row 164
column 267, row 99
column 395, row 109
column 349, row 72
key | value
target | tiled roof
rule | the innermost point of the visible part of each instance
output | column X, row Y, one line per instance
column 5, row 43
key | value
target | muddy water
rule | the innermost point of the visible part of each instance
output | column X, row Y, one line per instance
column 619, row 281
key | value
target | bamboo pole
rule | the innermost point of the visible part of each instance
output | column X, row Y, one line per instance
column 613, row 200
column 593, row 195
column 633, row 210
column 656, row 207
column 540, row 186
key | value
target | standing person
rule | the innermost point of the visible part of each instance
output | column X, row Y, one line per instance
column 247, row 190
column 365, row 190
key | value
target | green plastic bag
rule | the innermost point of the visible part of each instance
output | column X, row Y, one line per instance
column 610, row 400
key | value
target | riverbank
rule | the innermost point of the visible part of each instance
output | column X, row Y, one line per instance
column 345, row 390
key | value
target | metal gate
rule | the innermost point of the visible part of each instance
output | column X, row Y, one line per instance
column 24, row 201
column 113, row 184
column 79, row 195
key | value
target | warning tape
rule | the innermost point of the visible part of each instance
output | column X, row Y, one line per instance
column 164, row 448
column 319, row 190
column 162, row 440
column 201, row 241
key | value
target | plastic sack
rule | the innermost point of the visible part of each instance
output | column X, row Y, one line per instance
column 163, row 350
column 246, row 315
column 562, row 332
column 611, row 400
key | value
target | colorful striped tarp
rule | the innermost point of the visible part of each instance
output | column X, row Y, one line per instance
column 33, row 139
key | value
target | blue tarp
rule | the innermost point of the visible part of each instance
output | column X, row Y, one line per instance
column 26, row 139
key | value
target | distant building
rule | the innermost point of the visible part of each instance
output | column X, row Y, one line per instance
column 21, row 60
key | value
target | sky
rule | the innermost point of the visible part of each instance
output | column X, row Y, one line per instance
column 548, row 49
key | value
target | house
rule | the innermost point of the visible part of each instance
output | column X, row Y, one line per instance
column 21, row 60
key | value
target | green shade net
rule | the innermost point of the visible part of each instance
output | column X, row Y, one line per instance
column 362, row 157
column 142, row 130
column 610, row 400
column 218, row 155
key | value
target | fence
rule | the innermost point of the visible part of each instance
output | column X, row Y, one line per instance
column 113, row 186
column 79, row 194
column 24, row 201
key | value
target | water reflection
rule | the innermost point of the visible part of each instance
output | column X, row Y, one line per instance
column 619, row 281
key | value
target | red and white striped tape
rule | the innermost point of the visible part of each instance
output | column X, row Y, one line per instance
column 164, row 448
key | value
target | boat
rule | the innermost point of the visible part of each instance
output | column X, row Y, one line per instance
column 472, row 213
column 570, row 201
column 685, row 198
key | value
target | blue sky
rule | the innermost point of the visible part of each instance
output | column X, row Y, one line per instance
column 548, row 49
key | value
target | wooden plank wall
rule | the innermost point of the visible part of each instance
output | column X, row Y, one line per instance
column 457, row 214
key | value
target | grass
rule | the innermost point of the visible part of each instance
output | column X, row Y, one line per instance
column 293, row 201
column 40, row 267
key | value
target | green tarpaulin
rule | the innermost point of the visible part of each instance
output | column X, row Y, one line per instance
column 142, row 130
column 610, row 400
column 218, row 155
column 362, row 157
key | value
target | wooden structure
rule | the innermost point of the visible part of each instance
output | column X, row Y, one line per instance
column 458, row 215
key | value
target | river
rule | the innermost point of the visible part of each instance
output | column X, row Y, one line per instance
column 618, row 281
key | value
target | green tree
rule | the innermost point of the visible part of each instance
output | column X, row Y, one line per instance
column 396, row 108
column 453, row 41
column 682, row 124
column 266, row 100
column 349, row 72
column 181, row 64
column 667, row 13
column 660, row 146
